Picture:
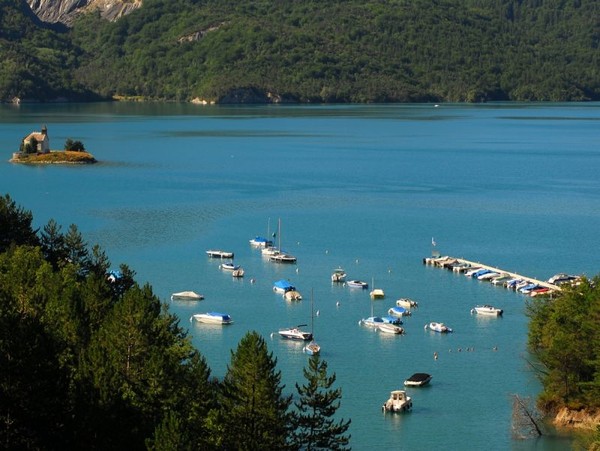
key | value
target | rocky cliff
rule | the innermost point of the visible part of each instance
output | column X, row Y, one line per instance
column 65, row 11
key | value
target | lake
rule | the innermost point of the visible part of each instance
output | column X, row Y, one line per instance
column 364, row 187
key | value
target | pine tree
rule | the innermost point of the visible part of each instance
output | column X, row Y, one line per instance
column 15, row 225
column 53, row 244
column 253, row 411
column 315, row 425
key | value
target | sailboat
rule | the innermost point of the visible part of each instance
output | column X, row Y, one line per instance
column 313, row 348
column 372, row 321
column 260, row 241
column 280, row 256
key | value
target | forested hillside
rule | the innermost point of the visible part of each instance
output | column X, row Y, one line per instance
column 329, row 51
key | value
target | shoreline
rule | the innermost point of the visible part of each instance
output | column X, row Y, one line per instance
column 55, row 157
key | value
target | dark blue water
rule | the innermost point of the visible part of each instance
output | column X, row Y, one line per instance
column 362, row 187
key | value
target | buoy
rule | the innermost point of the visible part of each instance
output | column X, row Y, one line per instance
column 435, row 355
column 271, row 334
column 337, row 304
column 318, row 312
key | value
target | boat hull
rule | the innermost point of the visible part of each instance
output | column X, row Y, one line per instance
column 212, row 318
column 487, row 311
column 357, row 284
column 186, row 296
column 219, row 254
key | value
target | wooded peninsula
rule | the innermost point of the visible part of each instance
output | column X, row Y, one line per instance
column 308, row 52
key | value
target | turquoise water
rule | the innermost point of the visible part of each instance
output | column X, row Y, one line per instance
column 362, row 187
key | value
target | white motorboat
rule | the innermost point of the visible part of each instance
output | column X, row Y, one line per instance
column 389, row 328
column 407, row 303
column 212, row 318
column 186, row 296
column 295, row 333
column 339, row 275
column 418, row 380
column 217, row 253
column 357, row 284
column 487, row 310
column 398, row 402
column 399, row 312
column 438, row 327
column 488, row 276
column 229, row 266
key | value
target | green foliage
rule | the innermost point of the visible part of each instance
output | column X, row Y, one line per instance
column 308, row 51
column 253, row 411
column 564, row 337
column 75, row 146
column 316, row 428
column 15, row 225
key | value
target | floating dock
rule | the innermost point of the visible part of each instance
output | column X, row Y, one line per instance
column 453, row 262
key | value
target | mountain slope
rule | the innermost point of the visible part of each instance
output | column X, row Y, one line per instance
column 337, row 51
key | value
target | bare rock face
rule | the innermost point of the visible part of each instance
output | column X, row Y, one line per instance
column 65, row 11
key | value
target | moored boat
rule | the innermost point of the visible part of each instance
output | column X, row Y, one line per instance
column 372, row 321
column 377, row 293
column 186, row 296
column 398, row 402
column 229, row 266
column 357, row 284
column 239, row 272
column 259, row 241
column 418, row 380
column 399, row 312
column 212, row 318
column 269, row 250
column 217, row 253
column 389, row 319
column 487, row 310
column 295, row 333
column 313, row 348
column 407, row 303
column 282, row 286
column 438, row 327
column 292, row 295
column 339, row 275
column 390, row 329
column 282, row 257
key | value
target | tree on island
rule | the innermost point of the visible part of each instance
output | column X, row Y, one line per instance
column 74, row 146
column 315, row 427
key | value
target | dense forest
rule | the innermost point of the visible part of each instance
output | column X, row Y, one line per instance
column 91, row 360
column 310, row 51
column 565, row 338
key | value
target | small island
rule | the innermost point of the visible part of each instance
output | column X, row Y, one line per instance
column 35, row 149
